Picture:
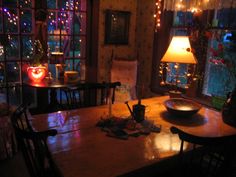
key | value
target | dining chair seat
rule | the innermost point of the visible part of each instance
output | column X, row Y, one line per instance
column 33, row 145
column 205, row 156
column 90, row 94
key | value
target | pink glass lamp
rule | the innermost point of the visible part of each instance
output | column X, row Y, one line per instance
column 36, row 73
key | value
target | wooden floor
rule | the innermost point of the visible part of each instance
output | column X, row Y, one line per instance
column 13, row 167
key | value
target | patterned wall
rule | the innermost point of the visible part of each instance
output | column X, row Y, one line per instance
column 141, row 32
column 144, row 36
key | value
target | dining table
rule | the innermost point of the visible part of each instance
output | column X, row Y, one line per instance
column 83, row 149
column 53, row 85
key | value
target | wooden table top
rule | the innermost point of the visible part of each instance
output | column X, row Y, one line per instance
column 82, row 149
column 51, row 84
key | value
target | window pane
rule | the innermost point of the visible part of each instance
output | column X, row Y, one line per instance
column 220, row 77
column 13, row 72
column 52, row 43
column 12, row 48
column 25, row 3
column 79, row 65
column 14, row 94
column 27, row 47
column 58, row 43
column 67, row 49
column 11, row 20
column 172, row 74
column 3, row 98
column 226, row 17
column 69, row 64
column 26, row 21
column 1, row 24
column 79, row 47
column 183, row 18
column 81, row 68
column 52, row 25
column 65, row 21
column 80, row 23
column 25, row 65
column 2, row 73
column 65, row 4
column 51, row 4
column 10, row 3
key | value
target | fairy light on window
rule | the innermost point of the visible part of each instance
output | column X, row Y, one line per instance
column 157, row 14
column 11, row 17
column 65, row 17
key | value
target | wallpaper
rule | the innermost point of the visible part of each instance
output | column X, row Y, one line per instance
column 141, row 33
column 144, row 37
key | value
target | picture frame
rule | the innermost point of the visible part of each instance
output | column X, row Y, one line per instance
column 117, row 27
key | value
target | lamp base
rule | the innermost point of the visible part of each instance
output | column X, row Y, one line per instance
column 175, row 94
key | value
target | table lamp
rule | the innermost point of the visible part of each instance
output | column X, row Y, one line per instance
column 178, row 52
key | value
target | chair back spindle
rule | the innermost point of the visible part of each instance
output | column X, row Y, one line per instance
column 90, row 94
column 206, row 156
column 33, row 145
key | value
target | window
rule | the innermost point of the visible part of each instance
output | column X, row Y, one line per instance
column 66, row 32
column 16, row 36
column 215, row 46
column 220, row 77
column 220, row 70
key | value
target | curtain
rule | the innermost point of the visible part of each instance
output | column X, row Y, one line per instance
column 188, row 5
column 160, row 45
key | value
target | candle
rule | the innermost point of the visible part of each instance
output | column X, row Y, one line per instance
column 109, row 104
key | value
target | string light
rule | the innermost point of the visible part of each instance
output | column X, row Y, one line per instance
column 157, row 14
column 165, row 70
column 13, row 18
column 60, row 22
column 65, row 17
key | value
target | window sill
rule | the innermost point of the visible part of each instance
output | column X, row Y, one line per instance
column 204, row 100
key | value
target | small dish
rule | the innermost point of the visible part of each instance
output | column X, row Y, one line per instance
column 71, row 76
column 182, row 107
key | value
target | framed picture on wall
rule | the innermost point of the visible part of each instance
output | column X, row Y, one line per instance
column 117, row 27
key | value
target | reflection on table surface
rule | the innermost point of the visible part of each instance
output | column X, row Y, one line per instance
column 82, row 149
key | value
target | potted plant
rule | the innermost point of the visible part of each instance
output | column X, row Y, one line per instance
column 222, row 59
column 37, row 72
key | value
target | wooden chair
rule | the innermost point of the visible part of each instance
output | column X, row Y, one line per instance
column 207, row 156
column 34, row 147
column 90, row 94
column 21, row 117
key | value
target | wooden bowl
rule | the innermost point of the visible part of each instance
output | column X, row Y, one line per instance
column 182, row 107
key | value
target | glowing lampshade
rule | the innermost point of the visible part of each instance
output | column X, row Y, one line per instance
column 179, row 51
column 36, row 73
